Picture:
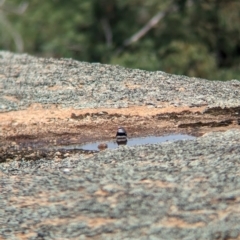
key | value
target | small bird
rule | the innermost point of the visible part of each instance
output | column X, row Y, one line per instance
column 121, row 136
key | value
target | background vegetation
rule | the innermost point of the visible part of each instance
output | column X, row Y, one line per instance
column 198, row 38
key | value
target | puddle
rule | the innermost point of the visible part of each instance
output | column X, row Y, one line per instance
column 132, row 142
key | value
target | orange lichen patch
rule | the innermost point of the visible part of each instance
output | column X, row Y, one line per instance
column 172, row 222
column 91, row 222
column 9, row 180
column 98, row 222
column 212, row 214
column 174, row 209
column 157, row 183
column 114, row 199
column 11, row 98
column 192, row 182
column 234, row 208
column 101, row 192
column 42, row 199
column 37, row 113
column 232, row 200
column 132, row 86
column 237, row 238
column 55, row 87
column 111, row 198
column 2, row 174
column 60, row 221
column 24, row 236
column 181, row 89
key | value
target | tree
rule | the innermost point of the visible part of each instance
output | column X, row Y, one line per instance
column 190, row 37
column 4, row 10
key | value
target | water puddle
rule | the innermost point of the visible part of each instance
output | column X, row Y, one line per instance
column 132, row 142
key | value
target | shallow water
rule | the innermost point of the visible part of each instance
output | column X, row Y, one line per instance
column 134, row 141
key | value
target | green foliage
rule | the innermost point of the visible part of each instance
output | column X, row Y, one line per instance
column 187, row 59
column 142, row 60
column 201, row 40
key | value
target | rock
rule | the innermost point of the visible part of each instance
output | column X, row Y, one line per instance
column 102, row 146
column 182, row 190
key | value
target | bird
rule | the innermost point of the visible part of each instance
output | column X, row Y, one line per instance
column 121, row 136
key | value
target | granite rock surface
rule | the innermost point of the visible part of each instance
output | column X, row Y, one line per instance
column 183, row 190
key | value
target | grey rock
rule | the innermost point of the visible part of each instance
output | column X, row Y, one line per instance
column 71, row 83
column 182, row 190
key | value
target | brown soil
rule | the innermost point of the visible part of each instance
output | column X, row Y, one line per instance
column 40, row 128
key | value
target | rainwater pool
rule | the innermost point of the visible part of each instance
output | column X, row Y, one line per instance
column 133, row 142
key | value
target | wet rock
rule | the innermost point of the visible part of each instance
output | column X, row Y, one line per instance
column 233, row 111
column 209, row 124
